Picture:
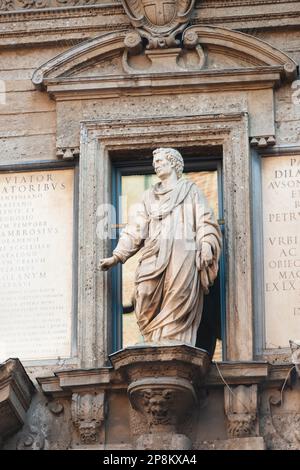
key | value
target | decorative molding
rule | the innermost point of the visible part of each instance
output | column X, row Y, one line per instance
column 37, row 24
column 241, row 410
column 67, row 153
column 235, row 373
column 263, row 141
column 239, row 3
column 88, row 414
column 140, row 84
column 85, row 52
column 267, row 66
column 133, row 358
column 255, row 51
column 20, row 5
column 235, row 14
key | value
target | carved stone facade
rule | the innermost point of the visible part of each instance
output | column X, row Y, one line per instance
column 89, row 82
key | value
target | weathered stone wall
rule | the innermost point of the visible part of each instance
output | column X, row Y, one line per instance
column 28, row 121
column 27, row 117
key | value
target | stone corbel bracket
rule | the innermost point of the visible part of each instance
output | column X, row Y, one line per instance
column 88, row 415
column 67, row 153
column 16, row 390
column 241, row 411
column 86, row 391
column 164, row 382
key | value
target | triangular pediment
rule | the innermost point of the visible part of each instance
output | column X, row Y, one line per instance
column 216, row 54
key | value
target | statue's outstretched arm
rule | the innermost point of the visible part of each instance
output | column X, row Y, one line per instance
column 131, row 239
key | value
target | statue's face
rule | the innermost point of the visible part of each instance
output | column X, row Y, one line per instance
column 162, row 166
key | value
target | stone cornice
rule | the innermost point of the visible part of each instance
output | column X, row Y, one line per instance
column 42, row 25
column 244, row 22
column 234, row 373
column 239, row 3
column 101, row 9
column 10, row 7
column 21, row 7
column 115, row 86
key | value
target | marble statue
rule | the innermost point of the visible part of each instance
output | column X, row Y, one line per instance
column 179, row 244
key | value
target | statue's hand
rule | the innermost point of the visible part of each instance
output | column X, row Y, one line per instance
column 107, row 263
column 206, row 255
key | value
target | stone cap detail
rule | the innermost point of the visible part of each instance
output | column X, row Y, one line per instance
column 16, row 390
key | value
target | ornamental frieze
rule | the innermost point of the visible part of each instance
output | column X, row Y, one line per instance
column 15, row 5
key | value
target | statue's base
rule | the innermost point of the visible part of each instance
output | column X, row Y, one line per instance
column 164, row 383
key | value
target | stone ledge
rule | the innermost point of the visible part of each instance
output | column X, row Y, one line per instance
column 234, row 373
column 16, row 390
column 246, row 373
column 237, row 373
column 242, row 443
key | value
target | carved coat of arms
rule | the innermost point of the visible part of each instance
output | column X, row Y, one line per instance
column 159, row 21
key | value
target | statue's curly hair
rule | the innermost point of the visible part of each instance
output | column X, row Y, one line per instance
column 174, row 157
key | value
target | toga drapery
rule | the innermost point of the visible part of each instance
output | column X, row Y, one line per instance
column 169, row 228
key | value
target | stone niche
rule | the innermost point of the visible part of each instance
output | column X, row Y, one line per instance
column 216, row 90
column 16, row 390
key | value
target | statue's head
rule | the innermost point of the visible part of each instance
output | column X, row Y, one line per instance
column 174, row 158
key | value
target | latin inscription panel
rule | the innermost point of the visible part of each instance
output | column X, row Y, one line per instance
column 36, row 253
column 281, row 228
